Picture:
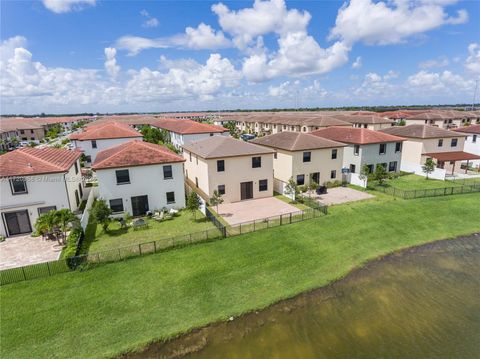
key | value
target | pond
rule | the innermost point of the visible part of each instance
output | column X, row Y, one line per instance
column 419, row 303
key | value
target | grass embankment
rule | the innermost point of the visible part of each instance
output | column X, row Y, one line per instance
column 122, row 306
column 184, row 223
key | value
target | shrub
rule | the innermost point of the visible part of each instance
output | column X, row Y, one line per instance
column 72, row 239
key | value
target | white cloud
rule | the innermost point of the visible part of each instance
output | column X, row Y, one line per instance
column 150, row 21
column 202, row 37
column 111, row 62
column 444, row 82
column 63, row 6
column 358, row 63
column 473, row 59
column 440, row 62
column 280, row 90
column 380, row 23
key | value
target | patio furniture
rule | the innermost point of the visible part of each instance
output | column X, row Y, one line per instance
column 123, row 223
column 322, row 190
column 159, row 216
column 139, row 223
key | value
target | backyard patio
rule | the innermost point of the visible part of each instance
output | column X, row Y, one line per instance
column 340, row 195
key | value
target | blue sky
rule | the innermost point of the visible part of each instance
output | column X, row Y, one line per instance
column 60, row 56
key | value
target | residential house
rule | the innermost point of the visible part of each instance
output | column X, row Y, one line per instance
column 365, row 147
column 238, row 170
column 183, row 131
column 135, row 177
column 35, row 181
column 472, row 143
column 303, row 157
column 445, row 147
column 371, row 122
column 96, row 138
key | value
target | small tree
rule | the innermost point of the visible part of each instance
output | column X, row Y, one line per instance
column 66, row 218
column 46, row 224
column 216, row 199
column 380, row 174
column 193, row 203
column 428, row 167
column 292, row 189
column 101, row 212
column 312, row 186
column 364, row 172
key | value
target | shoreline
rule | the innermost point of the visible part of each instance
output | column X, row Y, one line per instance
column 194, row 339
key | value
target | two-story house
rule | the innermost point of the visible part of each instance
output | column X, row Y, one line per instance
column 303, row 157
column 366, row 147
column 35, row 181
column 238, row 170
column 136, row 177
column 445, row 147
column 98, row 137
column 183, row 131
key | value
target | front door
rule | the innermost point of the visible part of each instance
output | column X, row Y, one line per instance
column 139, row 205
column 246, row 190
column 18, row 222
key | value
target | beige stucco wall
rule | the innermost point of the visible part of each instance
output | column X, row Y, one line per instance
column 413, row 148
column 196, row 167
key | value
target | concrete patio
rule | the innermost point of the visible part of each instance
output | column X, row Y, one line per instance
column 342, row 195
column 24, row 250
column 254, row 209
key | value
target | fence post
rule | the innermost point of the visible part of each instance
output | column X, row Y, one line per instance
column 48, row 267
column 206, row 233
column 24, row 276
column 119, row 254
column 290, row 217
column 302, row 216
column 154, row 246
column 140, row 249
column 254, row 225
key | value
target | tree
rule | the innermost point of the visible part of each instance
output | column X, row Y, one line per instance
column 216, row 199
column 402, row 122
column 193, row 203
column 232, row 127
column 46, row 224
column 380, row 174
column 312, row 186
column 154, row 135
column 364, row 172
column 101, row 212
column 291, row 189
column 428, row 167
column 65, row 218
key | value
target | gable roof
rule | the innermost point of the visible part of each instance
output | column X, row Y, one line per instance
column 187, row 127
column 29, row 161
column 107, row 130
column 134, row 153
column 364, row 119
column 296, row 141
column 419, row 131
column 474, row 129
column 358, row 136
column 222, row 146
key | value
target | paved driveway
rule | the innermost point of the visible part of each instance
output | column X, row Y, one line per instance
column 246, row 211
column 24, row 250
column 339, row 195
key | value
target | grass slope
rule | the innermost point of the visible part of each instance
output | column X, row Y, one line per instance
column 122, row 306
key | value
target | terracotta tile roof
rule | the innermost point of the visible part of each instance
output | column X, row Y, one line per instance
column 104, row 131
column 222, row 146
column 358, row 136
column 364, row 119
column 453, row 156
column 187, row 127
column 475, row 129
column 296, row 141
column 134, row 153
column 419, row 131
column 29, row 161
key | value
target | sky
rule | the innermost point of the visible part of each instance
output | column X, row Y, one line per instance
column 72, row 56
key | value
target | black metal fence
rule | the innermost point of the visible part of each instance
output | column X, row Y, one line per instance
column 215, row 221
column 428, row 192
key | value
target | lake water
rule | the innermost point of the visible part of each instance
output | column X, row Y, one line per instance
column 420, row 303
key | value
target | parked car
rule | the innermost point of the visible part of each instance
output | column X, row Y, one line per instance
column 247, row 137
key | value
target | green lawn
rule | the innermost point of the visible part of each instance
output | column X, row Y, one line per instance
column 97, row 240
column 122, row 306
column 412, row 182
column 285, row 199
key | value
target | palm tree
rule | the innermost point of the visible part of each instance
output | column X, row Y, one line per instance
column 46, row 224
column 66, row 218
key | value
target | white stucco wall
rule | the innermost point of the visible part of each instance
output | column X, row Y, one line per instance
column 144, row 180
column 473, row 147
column 369, row 155
column 86, row 146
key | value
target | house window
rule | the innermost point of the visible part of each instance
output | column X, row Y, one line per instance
column 474, row 139
column 77, row 198
column 398, row 147
column 123, row 176
column 440, row 142
column 76, row 167
column 221, row 166
column 167, row 172
column 300, row 180
column 370, row 168
column 211, row 134
column 196, row 159
column 307, row 156
column 275, row 154
column 88, row 158
column 256, row 162
column 454, row 142
column 392, row 166
column 356, row 149
column 263, row 185
column 31, row 131
column 18, row 186
column 333, row 174
column 334, row 154
column 170, row 197
column 196, row 182
column 221, row 189
column 352, row 168
column 43, row 210
column 94, row 143
column 383, row 149
column 22, row 131
column 190, row 154
column 80, row 190
column 116, row 205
